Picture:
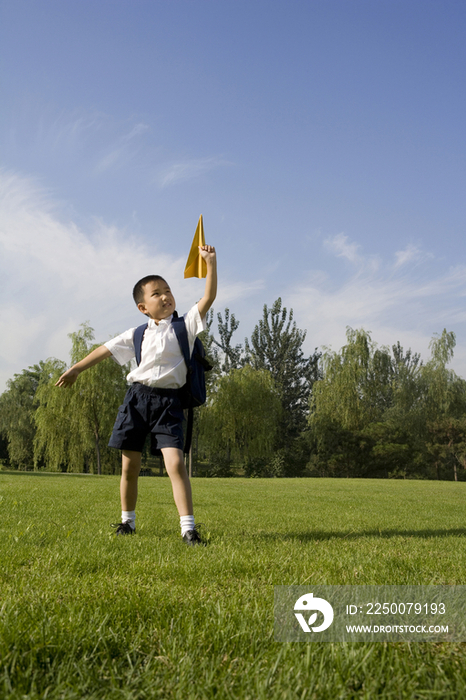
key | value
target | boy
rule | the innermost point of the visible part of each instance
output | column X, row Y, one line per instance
column 152, row 403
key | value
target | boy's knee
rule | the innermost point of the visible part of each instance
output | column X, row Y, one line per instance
column 174, row 459
column 131, row 462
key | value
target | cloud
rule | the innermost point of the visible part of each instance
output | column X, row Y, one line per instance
column 408, row 304
column 342, row 248
column 411, row 253
column 230, row 292
column 137, row 130
column 55, row 275
column 189, row 169
column 80, row 137
column 122, row 150
column 69, row 131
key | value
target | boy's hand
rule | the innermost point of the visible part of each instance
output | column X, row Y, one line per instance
column 68, row 378
column 207, row 252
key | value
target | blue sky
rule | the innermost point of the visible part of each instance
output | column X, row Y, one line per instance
column 322, row 140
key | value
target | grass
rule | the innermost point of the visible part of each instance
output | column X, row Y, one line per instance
column 84, row 614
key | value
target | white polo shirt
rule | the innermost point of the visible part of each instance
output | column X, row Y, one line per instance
column 162, row 364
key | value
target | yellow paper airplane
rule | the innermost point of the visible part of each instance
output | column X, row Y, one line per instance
column 196, row 266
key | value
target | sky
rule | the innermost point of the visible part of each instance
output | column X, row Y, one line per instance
column 323, row 141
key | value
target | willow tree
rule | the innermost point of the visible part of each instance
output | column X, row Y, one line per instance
column 445, row 407
column 17, row 409
column 74, row 425
column 373, row 412
column 354, row 393
column 356, row 386
column 243, row 415
column 445, row 392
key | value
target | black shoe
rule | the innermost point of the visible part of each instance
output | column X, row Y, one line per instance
column 124, row 528
column 192, row 537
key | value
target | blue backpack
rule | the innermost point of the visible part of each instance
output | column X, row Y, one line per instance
column 193, row 393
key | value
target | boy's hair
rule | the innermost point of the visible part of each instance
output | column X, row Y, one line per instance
column 138, row 290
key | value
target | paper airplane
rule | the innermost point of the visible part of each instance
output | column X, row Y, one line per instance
column 196, row 266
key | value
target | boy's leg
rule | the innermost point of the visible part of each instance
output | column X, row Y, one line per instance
column 130, row 468
column 174, row 464
column 176, row 470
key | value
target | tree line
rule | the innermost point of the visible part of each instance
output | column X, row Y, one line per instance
column 272, row 410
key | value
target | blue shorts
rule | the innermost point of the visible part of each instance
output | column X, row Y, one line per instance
column 147, row 411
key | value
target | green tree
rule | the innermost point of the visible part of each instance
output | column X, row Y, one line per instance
column 17, row 409
column 356, row 386
column 242, row 417
column 74, row 425
column 276, row 346
column 446, row 446
column 444, row 391
column 445, row 407
column 232, row 356
column 376, row 414
column 359, row 408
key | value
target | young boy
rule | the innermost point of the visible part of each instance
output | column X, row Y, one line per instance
column 152, row 403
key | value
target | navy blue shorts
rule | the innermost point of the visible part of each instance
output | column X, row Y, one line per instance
column 147, row 411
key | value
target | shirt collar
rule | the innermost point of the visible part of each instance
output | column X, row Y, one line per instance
column 163, row 322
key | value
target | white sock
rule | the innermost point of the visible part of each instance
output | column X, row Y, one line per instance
column 187, row 523
column 129, row 516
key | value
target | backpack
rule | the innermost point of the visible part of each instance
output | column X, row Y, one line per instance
column 193, row 393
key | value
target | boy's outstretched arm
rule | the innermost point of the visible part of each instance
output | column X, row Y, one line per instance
column 210, row 257
column 69, row 377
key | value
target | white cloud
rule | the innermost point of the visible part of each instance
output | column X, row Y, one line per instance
column 187, row 170
column 68, row 131
column 137, row 130
column 404, row 306
column 55, row 276
column 342, row 248
column 411, row 254
column 122, row 150
column 80, row 137
column 230, row 292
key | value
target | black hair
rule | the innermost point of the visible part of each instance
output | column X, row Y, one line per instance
column 138, row 290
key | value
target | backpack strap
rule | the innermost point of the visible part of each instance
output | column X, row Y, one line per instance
column 181, row 333
column 137, row 341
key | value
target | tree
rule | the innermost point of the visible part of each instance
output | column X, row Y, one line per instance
column 376, row 414
column 355, row 388
column 208, row 342
column 232, row 356
column 358, row 410
column 17, row 413
column 444, row 391
column 74, row 425
column 276, row 346
column 242, row 417
column 444, row 406
column 446, row 445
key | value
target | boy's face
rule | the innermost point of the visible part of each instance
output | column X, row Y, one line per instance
column 158, row 301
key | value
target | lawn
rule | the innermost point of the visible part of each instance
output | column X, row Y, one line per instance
column 85, row 614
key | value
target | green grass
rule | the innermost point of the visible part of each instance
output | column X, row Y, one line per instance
column 84, row 614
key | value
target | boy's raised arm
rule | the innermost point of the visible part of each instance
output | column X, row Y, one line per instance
column 210, row 257
column 69, row 377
